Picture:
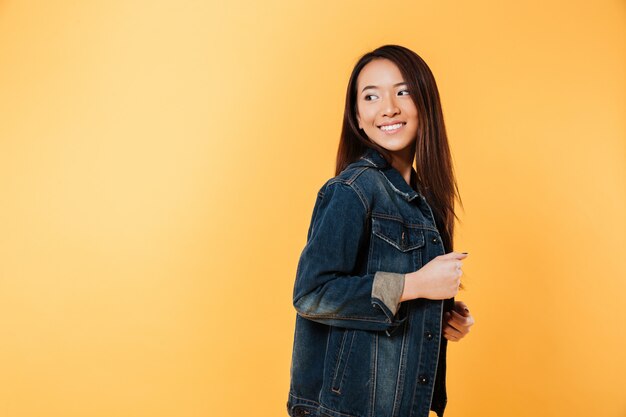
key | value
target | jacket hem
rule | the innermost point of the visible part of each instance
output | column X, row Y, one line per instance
column 299, row 407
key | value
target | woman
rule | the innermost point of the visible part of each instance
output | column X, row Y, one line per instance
column 375, row 283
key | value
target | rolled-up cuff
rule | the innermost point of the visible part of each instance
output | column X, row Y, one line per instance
column 388, row 288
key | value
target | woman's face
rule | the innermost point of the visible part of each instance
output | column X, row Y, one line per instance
column 385, row 111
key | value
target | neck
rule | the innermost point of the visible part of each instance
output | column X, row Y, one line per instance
column 402, row 161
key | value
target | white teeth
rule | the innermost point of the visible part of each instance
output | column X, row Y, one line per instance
column 392, row 127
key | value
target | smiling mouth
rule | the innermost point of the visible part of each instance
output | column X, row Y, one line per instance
column 391, row 128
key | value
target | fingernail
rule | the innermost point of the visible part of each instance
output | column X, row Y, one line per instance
column 466, row 309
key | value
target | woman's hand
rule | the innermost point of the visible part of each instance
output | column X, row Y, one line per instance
column 439, row 279
column 457, row 322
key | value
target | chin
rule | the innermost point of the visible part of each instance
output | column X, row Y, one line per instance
column 393, row 147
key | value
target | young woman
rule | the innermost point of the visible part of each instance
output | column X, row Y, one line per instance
column 375, row 283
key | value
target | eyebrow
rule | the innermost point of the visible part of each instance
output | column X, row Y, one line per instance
column 373, row 86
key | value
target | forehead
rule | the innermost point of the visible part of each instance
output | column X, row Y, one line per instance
column 379, row 72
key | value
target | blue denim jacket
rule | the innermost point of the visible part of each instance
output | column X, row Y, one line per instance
column 358, row 351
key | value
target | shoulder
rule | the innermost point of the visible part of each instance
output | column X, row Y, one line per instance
column 354, row 182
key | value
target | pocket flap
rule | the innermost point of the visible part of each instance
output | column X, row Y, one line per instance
column 398, row 234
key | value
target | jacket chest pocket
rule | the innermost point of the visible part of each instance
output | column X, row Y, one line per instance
column 395, row 246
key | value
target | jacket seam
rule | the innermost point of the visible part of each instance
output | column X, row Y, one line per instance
column 370, row 161
column 419, row 366
column 361, row 195
column 374, row 376
column 350, row 182
column 322, row 408
column 397, row 400
column 342, row 317
column 305, row 400
column 404, row 222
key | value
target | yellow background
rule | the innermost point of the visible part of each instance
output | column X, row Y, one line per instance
column 159, row 162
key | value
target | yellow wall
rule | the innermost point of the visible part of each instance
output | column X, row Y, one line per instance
column 159, row 163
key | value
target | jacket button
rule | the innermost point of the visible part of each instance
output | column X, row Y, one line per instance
column 428, row 335
column 299, row 412
column 422, row 379
column 434, row 240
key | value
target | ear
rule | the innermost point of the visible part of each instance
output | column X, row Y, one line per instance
column 359, row 120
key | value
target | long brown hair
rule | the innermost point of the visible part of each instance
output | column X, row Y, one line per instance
column 435, row 174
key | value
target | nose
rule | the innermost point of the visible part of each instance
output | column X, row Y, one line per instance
column 389, row 107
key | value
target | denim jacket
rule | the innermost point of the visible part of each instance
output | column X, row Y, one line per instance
column 357, row 350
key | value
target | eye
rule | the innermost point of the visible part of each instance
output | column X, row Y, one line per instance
column 404, row 91
column 369, row 95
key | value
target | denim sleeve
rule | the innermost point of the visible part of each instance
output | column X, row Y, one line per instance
column 326, row 289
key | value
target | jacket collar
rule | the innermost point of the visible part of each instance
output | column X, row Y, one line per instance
column 372, row 158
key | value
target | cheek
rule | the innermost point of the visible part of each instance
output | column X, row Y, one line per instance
column 410, row 111
column 368, row 119
column 365, row 114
